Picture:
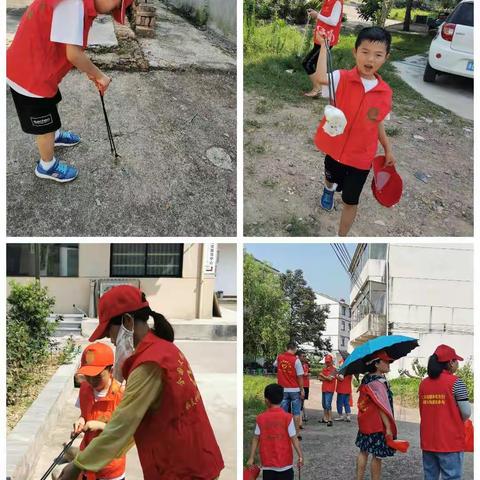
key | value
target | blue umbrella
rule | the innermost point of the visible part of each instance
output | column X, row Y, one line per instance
column 396, row 346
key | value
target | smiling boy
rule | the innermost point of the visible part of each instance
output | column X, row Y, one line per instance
column 366, row 101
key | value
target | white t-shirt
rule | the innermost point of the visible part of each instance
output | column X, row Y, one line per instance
column 367, row 85
column 67, row 27
column 334, row 17
column 298, row 371
column 291, row 433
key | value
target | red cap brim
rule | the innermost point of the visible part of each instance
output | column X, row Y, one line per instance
column 99, row 332
column 91, row 370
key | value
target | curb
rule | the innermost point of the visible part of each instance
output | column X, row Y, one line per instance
column 27, row 438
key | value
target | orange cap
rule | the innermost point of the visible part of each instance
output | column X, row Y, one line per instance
column 95, row 358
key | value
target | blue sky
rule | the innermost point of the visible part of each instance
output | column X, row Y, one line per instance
column 320, row 266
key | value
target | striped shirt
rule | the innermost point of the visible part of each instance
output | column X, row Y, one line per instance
column 460, row 391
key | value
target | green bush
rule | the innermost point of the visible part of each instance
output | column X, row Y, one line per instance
column 28, row 335
column 294, row 11
column 466, row 374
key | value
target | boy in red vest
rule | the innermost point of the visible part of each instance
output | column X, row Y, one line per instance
column 49, row 42
column 366, row 101
column 344, row 391
column 275, row 433
column 327, row 376
column 329, row 23
column 98, row 397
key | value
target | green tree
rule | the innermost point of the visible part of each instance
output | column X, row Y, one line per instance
column 307, row 319
column 375, row 11
column 266, row 312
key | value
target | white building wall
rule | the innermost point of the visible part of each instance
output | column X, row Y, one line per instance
column 226, row 275
column 431, row 297
column 373, row 270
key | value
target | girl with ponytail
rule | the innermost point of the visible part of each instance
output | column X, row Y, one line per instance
column 161, row 399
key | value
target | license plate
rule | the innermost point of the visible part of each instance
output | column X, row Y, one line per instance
column 470, row 66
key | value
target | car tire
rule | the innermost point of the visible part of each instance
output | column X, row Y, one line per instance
column 430, row 74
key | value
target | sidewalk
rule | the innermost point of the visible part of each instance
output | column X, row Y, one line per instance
column 331, row 451
column 217, row 384
column 174, row 127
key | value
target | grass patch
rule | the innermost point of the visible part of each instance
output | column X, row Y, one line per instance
column 393, row 131
column 270, row 183
column 253, row 149
column 405, row 391
column 253, row 404
column 273, row 48
column 399, row 13
column 297, row 228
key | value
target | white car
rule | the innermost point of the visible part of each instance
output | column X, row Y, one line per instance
column 451, row 51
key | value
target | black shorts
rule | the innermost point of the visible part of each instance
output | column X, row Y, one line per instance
column 310, row 61
column 272, row 475
column 306, row 389
column 37, row 115
column 349, row 180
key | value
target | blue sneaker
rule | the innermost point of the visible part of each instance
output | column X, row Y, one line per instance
column 67, row 139
column 60, row 172
column 327, row 202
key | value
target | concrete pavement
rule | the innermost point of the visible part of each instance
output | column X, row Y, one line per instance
column 217, row 383
column 449, row 91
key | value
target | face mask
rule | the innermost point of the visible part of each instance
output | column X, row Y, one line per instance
column 124, row 348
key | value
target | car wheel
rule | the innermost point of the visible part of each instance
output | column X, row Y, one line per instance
column 430, row 74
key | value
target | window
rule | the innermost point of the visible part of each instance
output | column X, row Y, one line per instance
column 343, row 310
column 146, row 260
column 378, row 251
column 51, row 259
column 343, row 326
column 343, row 341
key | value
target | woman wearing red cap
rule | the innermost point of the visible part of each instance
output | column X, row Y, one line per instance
column 162, row 407
column 376, row 424
column 444, row 407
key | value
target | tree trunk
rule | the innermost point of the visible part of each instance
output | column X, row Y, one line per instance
column 408, row 16
column 384, row 12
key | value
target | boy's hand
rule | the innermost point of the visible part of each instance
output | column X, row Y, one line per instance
column 78, row 426
column 94, row 425
column 70, row 472
column 320, row 37
column 300, row 461
column 312, row 13
column 389, row 159
column 102, row 82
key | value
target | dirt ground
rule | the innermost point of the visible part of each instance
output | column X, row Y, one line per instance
column 283, row 177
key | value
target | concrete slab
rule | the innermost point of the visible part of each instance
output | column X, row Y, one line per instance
column 217, row 383
column 449, row 91
column 102, row 33
column 179, row 46
column 163, row 184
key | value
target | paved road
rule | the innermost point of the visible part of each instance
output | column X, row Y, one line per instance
column 214, row 366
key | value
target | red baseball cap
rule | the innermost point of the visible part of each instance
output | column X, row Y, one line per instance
column 445, row 353
column 115, row 302
column 387, row 185
column 119, row 12
column 328, row 359
column 95, row 358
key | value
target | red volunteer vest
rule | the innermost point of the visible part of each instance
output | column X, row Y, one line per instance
column 333, row 33
column 345, row 386
column 33, row 61
column 275, row 444
column 357, row 145
column 326, row 385
column 174, row 441
column 441, row 425
column 306, row 375
column 101, row 410
column 286, row 374
column 369, row 419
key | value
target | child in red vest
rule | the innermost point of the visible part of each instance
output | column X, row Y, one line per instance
column 49, row 42
column 306, row 385
column 328, row 376
column 366, row 101
column 344, row 392
column 275, row 434
column 329, row 23
column 98, row 397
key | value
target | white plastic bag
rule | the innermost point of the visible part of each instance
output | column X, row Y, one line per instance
column 335, row 121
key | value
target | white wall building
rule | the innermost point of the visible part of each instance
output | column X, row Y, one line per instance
column 337, row 327
column 419, row 290
column 226, row 279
